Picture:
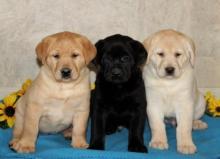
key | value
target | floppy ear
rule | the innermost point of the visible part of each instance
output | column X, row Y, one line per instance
column 99, row 47
column 42, row 49
column 191, row 50
column 89, row 50
column 140, row 52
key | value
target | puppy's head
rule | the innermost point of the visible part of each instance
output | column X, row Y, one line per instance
column 118, row 57
column 170, row 52
column 65, row 54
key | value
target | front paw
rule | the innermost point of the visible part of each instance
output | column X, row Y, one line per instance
column 159, row 144
column 80, row 143
column 186, row 148
column 137, row 148
column 22, row 146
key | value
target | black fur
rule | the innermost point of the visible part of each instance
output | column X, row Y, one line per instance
column 119, row 97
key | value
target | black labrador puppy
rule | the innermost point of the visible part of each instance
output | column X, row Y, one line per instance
column 119, row 97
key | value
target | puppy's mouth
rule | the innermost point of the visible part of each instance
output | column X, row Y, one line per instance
column 116, row 76
column 169, row 72
column 66, row 73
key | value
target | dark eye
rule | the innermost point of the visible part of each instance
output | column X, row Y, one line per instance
column 161, row 54
column 56, row 56
column 74, row 55
column 124, row 58
column 177, row 54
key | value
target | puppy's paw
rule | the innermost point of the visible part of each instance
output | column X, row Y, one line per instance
column 12, row 142
column 159, row 144
column 137, row 148
column 22, row 146
column 186, row 148
column 199, row 125
column 79, row 143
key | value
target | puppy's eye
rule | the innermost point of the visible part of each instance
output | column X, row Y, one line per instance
column 161, row 54
column 56, row 56
column 125, row 58
column 74, row 55
column 177, row 54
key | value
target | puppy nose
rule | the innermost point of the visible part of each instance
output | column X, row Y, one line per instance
column 66, row 73
column 116, row 72
column 170, row 70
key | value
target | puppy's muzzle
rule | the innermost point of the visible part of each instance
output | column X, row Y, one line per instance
column 66, row 73
column 116, row 72
column 170, row 71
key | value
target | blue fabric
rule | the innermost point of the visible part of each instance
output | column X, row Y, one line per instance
column 55, row 146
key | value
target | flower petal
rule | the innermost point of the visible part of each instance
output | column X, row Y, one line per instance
column 2, row 106
column 11, row 121
column 1, row 112
column 26, row 85
column 20, row 92
column 92, row 86
column 10, row 99
column 3, row 117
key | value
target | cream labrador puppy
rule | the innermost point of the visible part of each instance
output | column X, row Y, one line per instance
column 171, row 89
column 60, row 95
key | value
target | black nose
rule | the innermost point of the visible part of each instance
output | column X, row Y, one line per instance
column 66, row 73
column 170, row 70
column 116, row 72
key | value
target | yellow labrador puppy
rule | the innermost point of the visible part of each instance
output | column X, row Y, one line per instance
column 60, row 95
column 171, row 89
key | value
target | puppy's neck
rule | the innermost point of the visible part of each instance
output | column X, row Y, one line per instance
column 136, row 75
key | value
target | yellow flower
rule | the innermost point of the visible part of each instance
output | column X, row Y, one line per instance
column 208, row 95
column 92, row 86
column 24, row 87
column 213, row 105
column 7, row 109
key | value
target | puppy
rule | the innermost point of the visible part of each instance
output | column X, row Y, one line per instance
column 119, row 97
column 60, row 95
column 171, row 89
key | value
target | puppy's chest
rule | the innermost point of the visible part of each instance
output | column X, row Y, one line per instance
column 120, row 107
column 57, row 114
column 167, row 100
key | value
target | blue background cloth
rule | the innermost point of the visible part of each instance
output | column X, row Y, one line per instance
column 55, row 146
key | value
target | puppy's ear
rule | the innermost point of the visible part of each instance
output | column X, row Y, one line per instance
column 140, row 52
column 42, row 49
column 191, row 50
column 99, row 47
column 89, row 52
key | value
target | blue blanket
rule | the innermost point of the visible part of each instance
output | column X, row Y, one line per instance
column 55, row 146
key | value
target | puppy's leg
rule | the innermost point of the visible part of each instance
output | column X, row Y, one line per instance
column 26, row 143
column 19, row 123
column 98, row 126
column 199, row 112
column 158, row 132
column 112, row 126
column 136, row 132
column 80, row 120
column 17, row 130
column 184, row 116
column 68, row 133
